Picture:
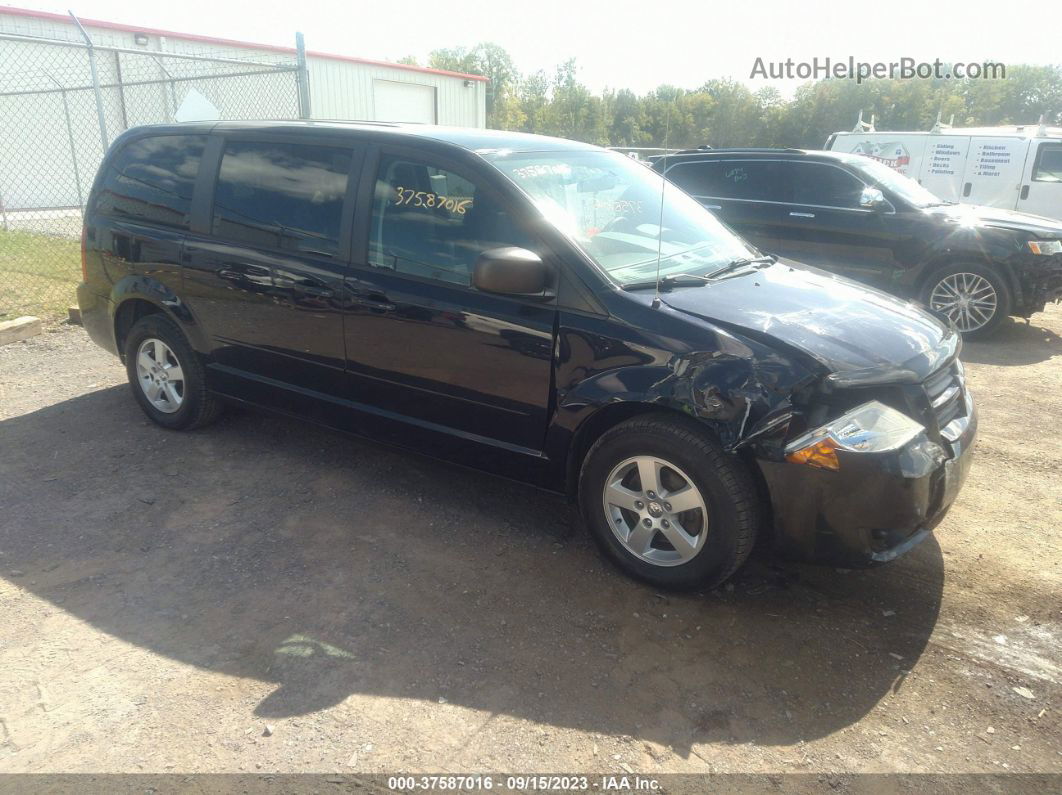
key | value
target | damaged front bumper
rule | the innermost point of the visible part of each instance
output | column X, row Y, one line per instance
column 875, row 506
column 1039, row 283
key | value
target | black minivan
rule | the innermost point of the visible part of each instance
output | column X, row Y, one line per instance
column 542, row 309
column 857, row 217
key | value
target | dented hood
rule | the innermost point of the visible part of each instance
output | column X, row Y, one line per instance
column 858, row 333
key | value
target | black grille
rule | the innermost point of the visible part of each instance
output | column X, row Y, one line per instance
column 945, row 392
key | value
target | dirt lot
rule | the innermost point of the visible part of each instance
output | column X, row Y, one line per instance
column 167, row 597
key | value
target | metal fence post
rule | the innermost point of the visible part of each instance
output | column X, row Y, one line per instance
column 70, row 139
column 95, row 82
column 302, row 75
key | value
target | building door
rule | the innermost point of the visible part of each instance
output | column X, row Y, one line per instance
column 403, row 102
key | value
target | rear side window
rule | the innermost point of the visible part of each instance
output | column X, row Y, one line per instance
column 281, row 196
column 824, row 185
column 751, row 180
column 1048, row 163
column 699, row 179
column 433, row 223
column 151, row 180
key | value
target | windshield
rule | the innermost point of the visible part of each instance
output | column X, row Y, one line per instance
column 890, row 180
column 610, row 206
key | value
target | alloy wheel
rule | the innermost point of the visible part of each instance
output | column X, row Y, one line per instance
column 968, row 299
column 655, row 511
column 160, row 375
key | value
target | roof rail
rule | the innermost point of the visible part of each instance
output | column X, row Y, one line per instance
column 864, row 126
column 742, row 149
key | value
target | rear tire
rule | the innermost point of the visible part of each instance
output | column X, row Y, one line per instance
column 974, row 297
column 667, row 505
column 167, row 376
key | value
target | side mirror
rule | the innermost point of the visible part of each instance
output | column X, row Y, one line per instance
column 510, row 271
column 872, row 199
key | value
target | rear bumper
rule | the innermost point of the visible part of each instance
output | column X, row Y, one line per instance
column 876, row 507
column 97, row 317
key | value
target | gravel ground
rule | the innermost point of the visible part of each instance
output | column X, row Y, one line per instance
column 267, row 596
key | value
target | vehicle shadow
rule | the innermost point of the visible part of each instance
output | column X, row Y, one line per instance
column 1015, row 343
column 264, row 548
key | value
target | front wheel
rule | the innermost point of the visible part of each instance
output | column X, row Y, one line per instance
column 666, row 504
column 973, row 297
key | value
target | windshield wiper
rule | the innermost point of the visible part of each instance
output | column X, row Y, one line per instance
column 737, row 264
column 667, row 282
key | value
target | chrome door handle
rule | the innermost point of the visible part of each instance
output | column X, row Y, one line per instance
column 803, row 215
column 712, row 207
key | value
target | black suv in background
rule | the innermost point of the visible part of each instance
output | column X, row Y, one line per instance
column 491, row 298
column 856, row 217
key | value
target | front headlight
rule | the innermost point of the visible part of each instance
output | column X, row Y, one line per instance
column 870, row 428
column 1045, row 247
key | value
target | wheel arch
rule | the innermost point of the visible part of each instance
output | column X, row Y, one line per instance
column 139, row 296
column 605, row 419
column 983, row 259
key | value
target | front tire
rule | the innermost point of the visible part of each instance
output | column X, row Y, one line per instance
column 973, row 297
column 167, row 376
column 667, row 505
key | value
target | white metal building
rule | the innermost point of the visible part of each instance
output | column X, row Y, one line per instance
column 341, row 87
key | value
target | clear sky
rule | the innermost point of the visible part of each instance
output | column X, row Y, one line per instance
column 621, row 44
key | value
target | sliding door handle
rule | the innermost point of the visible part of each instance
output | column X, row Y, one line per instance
column 802, row 215
column 374, row 301
column 316, row 292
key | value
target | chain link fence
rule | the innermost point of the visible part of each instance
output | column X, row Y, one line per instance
column 61, row 103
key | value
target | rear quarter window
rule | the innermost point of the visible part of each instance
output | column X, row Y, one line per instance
column 150, row 180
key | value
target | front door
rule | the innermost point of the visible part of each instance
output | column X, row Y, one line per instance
column 825, row 225
column 422, row 344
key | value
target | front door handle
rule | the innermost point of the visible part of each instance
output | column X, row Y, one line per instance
column 803, row 215
column 1025, row 191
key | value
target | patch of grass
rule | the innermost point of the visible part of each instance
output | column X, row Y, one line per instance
column 39, row 273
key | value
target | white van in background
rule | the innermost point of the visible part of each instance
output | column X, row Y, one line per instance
column 1016, row 168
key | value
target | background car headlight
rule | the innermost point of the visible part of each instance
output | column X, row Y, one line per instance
column 1045, row 247
column 871, row 428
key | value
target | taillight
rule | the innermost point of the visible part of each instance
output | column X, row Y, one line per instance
column 84, row 263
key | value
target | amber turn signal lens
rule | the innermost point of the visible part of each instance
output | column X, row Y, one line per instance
column 822, row 454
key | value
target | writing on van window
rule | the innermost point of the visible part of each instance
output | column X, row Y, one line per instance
column 542, row 170
column 419, row 198
column 284, row 196
column 151, row 180
column 433, row 223
column 619, row 206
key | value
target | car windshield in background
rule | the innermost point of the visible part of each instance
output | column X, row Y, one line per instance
column 610, row 206
column 904, row 187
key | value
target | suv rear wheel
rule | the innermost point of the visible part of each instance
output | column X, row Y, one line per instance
column 167, row 376
column 666, row 504
column 973, row 297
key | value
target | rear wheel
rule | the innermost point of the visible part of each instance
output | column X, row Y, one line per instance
column 973, row 297
column 167, row 376
column 666, row 504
